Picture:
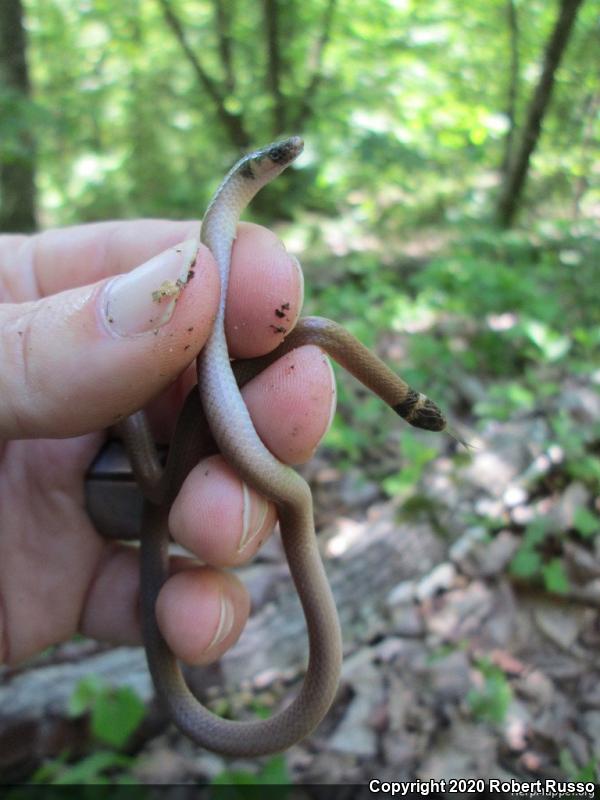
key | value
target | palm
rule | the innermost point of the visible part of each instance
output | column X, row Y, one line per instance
column 49, row 551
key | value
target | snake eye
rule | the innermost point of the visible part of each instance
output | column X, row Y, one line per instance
column 273, row 158
column 286, row 151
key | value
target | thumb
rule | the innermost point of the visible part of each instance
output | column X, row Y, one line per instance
column 83, row 359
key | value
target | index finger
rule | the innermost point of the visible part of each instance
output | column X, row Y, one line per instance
column 65, row 258
column 266, row 286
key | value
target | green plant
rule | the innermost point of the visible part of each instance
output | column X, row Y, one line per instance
column 578, row 444
column 586, row 523
column 274, row 771
column 490, row 703
column 115, row 713
column 102, row 767
column 416, row 456
column 588, row 772
column 442, row 651
column 528, row 562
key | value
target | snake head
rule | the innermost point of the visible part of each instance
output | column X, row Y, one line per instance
column 272, row 159
column 282, row 153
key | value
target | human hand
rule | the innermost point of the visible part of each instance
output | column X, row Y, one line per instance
column 82, row 351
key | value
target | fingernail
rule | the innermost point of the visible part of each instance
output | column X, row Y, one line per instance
column 144, row 299
column 332, row 407
column 254, row 514
column 332, row 401
column 226, row 620
column 296, row 263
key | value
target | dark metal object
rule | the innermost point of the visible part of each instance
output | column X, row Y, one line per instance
column 112, row 497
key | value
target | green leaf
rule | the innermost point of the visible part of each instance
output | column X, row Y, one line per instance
column 585, row 468
column 586, row 523
column 88, row 770
column 50, row 769
column 235, row 778
column 91, row 769
column 115, row 716
column 555, row 578
column 491, row 702
column 535, row 532
column 552, row 344
column 416, row 456
column 260, row 709
column 275, row 771
column 587, row 773
column 115, row 712
column 526, row 563
column 84, row 695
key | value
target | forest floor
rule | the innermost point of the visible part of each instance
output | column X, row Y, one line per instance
column 457, row 670
column 452, row 667
column 468, row 595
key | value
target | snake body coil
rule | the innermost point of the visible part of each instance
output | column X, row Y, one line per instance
column 232, row 429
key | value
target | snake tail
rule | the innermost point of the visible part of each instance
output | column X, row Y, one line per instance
column 421, row 412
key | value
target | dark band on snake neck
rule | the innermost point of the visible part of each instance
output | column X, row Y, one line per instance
column 421, row 412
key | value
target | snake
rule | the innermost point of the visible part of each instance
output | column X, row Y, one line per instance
column 214, row 417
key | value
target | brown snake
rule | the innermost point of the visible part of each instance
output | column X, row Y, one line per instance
column 217, row 412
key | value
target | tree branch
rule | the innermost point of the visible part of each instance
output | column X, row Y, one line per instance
column 305, row 105
column 231, row 122
column 273, row 76
column 223, row 25
column 517, row 174
column 513, row 86
column 17, row 161
column 589, row 116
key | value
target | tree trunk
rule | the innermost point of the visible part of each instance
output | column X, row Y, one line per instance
column 232, row 123
column 306, row 104
column 589, row 114
column 17, row 157
column 223, row 24
column 273, row 76
column 514, row 181
column 513, row 86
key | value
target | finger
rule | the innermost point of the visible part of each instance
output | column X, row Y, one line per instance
column 48, row 549
column 264, row 277
column 63, row 258
column 264, row 280
column 200, row 611
column 292, row 403
column 265, row 294
column 85, row 358
column 218, row 517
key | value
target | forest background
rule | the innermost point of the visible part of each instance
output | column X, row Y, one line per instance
column 446, row 207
